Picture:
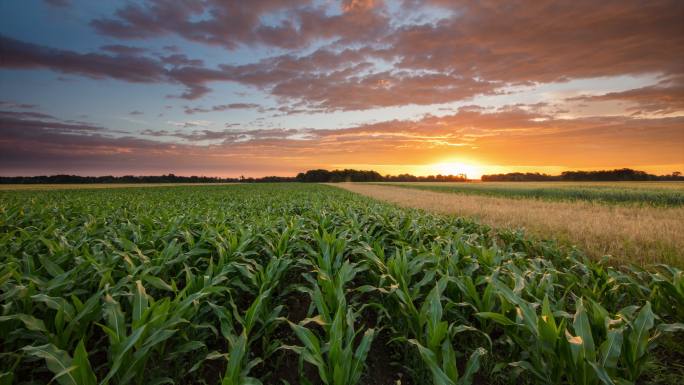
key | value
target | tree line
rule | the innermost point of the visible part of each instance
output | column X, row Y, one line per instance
column 310, row 176
column 349, row 175
column 622, row 174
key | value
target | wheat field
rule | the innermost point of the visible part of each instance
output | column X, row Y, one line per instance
column 640, row 234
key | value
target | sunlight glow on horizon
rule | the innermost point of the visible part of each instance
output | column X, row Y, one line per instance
column 471, row 171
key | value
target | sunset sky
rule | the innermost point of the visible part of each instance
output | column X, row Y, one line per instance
column 267, row 87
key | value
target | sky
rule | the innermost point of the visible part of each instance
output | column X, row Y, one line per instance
column 268, row 87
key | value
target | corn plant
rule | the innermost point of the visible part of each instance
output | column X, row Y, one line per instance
column 256, row 323
column 668, row 293
column 435, row 344
column 337, row 356
column 192, row 284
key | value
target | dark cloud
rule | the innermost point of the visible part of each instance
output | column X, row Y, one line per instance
column 126, row 67
column 123, row 49
column 15, row 124
column 18, row 54
column 181, row 60
column 136, row 112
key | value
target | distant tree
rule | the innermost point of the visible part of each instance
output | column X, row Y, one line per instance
column 623, row 174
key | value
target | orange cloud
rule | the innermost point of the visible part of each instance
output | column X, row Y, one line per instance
column 510, row 136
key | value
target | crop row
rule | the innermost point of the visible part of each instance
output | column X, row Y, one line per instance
column 668, row 195
column 310, row 284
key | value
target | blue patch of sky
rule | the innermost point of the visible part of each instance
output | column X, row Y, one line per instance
column 67, row 27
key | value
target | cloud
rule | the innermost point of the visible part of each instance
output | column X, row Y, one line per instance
column 522, row 42
column 181, row 60
column 369, row 55
column 667, row 97
column 14, row 105
column 358, row 5
column 136, row 112
column 121, row 66
column 18, row 54
column 29, row 124
column 123, row 49
column 221, row 107
column 191, row 123
column 232, row 24
column 229, row 136
column 517, row 135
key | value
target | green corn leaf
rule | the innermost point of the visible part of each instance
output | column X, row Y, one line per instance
column 56, row 303
column 430, row 360
column 254, row 311
column 84, row 372
column 157, row 283
column 610, row 349
column 155, row 339
column 472, row 366
column 360, row 354
column 548, row 330
column 639, row 336
column 670, row 328
column 52, row 268
column 139, row 302
column 115, row 319
column 235, row 361
column 30, row 322
column 58, row 361
column 582, row 328
column 601, row 374
column 449, row 361
column 126, row 345
column 543, row 379
column 496, row 317
column 309, row 339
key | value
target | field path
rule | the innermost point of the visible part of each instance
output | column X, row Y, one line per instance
column 639, row 234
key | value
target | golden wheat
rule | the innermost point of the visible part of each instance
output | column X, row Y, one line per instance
column 640, row 234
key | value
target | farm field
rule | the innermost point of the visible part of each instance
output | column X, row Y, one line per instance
column 665, row 194
column 303, row 283
column 637, row 232
column 82, row 186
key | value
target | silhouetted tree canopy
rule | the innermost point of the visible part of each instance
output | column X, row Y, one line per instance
column 349, row 175
column 623, row 174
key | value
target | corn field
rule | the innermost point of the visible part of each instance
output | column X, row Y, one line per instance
column 308, row 284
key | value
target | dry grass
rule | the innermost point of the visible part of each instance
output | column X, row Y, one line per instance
column 640, row 234
column 76, row 186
